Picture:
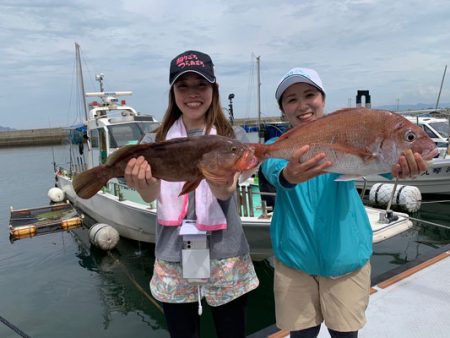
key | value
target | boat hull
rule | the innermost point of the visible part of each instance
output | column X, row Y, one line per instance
column 132, row 220
column 137, row 221
column 436, row 180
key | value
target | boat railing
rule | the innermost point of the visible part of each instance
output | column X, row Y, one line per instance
column 78, row 166
column 247, row 196
column 74, row 169
column 125, row 193
column 250, row 201
column 117, row 190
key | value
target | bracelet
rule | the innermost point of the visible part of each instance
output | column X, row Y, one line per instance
column 284, row 182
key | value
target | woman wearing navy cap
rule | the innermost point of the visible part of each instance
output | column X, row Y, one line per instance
column 221, row 271
column 321, row 235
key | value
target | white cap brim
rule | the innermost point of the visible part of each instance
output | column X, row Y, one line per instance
column 293, row 79
column 299, row 75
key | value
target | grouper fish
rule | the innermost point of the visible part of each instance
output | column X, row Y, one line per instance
column 358, row 141
column 188, row 159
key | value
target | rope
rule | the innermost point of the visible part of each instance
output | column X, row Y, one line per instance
column 399, row 193
column 132, row 280
column 429, row 202
column 14, row 328
column 430, row 223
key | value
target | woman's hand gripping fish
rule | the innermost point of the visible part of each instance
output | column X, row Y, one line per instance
column 358, row 141
column 189, row 159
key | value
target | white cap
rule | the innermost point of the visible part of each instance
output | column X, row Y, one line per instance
column 297, row 75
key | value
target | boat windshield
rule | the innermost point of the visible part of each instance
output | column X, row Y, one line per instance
column 129, row 133
column 442, row 127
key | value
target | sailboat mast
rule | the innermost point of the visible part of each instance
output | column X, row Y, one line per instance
column 258, row 98
column 440, row 89
column 80, row 78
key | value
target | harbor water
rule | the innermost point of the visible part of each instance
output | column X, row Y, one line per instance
column 56, row 285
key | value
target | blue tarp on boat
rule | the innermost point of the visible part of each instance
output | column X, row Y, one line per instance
column 77, row 133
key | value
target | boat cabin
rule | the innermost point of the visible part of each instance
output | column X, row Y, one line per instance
column 112, row 124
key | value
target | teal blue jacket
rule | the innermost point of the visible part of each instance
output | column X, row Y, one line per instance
column 319, row 226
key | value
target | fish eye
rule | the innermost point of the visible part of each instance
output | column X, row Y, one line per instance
column 233, row 149
column 410, row 136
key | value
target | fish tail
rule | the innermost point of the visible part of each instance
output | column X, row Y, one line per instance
column 89, row 182
column 261, row 150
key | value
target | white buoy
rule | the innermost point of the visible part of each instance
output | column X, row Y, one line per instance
column 56, row 194
column 103, row 236
column 405, row 196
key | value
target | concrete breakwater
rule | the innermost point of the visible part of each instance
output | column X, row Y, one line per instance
column 33, row 137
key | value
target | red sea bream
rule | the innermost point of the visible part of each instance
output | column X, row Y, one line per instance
column 358, row 141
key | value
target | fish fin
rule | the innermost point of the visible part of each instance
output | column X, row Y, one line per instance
column 89, row 182
column 261, row 150
column 346, row 178
column 347, row 109
column 287, row 134
column 245, row 175
column 190, row 186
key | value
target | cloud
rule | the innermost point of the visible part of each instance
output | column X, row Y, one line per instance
column 396, row 50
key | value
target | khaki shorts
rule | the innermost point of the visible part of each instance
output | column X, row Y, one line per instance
column 303, row 301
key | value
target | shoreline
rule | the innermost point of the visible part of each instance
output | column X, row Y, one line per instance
column 33, row 137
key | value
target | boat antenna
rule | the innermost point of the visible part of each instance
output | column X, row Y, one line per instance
column 230, row 108
column 99, row 78
column 80, row 78
column 440, row 89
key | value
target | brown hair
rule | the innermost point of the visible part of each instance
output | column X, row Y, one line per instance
column 214, row 117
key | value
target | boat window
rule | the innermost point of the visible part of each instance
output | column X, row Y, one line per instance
column 123, row 134
column 102, row 145
column 430, row 132
column 148, row 127
column 94, row 138
column 129, row 133
column 441, row 127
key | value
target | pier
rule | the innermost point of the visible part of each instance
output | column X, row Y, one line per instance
column 33, row 137
column 256, row 121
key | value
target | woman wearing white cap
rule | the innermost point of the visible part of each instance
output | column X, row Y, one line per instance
column 321, row 236
column 220, row 269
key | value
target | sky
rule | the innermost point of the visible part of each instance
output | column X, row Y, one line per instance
column 397, row 50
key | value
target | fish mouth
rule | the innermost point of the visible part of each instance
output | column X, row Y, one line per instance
column 430, row 154
column 247, row 161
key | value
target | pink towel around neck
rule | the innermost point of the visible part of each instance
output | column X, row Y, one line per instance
column 172, row 209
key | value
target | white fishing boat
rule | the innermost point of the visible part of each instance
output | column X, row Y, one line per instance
column 110, row 124
column 436, row 180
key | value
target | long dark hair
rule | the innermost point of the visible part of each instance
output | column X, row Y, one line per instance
column 214, row 116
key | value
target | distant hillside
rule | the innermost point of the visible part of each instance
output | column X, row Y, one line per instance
column 5, row 128
column 417, row 106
